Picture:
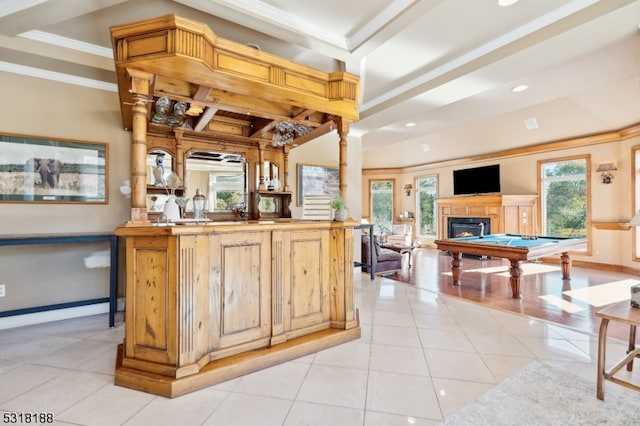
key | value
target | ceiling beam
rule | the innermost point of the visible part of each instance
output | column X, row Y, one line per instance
column 204, row 119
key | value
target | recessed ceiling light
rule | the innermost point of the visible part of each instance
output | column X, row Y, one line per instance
column 531, row 123
column 505, row 3
column 520, row 88
column 410, row 124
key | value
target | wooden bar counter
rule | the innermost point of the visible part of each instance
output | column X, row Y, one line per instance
column 207, row 303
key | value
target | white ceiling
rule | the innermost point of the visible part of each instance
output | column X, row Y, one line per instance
column 446, row 65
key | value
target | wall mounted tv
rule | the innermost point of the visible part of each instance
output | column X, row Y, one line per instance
column 478, row 180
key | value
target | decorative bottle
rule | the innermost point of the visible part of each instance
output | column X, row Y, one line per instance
column 199, row 203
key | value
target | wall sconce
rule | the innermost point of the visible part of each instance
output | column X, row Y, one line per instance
column 606, row 171
column 407, row 189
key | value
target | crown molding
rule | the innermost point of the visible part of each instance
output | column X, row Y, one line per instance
column 56, row 76
column 69, row 43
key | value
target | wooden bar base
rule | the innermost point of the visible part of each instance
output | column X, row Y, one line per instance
column 229, row 368
column 209, row 303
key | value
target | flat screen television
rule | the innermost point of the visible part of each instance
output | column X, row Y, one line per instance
column 478, row 180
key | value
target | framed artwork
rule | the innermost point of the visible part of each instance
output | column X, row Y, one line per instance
column 317, row 180
column 40, row 170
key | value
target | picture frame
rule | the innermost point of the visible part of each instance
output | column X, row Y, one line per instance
column 42, row 170
column 316, row 180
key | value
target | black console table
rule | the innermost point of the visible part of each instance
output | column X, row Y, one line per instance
column 371, row 265
column 17, row 240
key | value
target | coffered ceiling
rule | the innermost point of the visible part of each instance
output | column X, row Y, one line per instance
column 447, row 66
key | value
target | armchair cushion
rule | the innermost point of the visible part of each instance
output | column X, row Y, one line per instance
column 376, row 245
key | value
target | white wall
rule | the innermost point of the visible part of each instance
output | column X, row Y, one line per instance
column 324, row 151
column 38, row 107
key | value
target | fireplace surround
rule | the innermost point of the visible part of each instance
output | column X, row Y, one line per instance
column 505, row 213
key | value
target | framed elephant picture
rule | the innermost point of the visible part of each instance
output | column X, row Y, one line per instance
column 40, row 170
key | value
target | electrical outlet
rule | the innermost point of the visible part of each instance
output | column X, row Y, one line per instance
column 2, row 290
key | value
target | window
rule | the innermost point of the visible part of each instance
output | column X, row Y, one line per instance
column 426, row 195
column 564, row 196
column 381, row 206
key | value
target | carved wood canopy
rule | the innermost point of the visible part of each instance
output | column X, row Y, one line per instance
column 244, row 92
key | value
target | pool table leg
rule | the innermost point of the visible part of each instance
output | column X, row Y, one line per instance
column 516, row 278
column 565, row 264
column 456, row 267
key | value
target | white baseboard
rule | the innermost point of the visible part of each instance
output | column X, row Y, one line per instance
column 55, row 315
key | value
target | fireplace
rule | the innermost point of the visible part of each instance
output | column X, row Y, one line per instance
column 468, row 226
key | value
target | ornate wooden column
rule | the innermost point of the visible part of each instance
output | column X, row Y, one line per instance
column 343, row 131
column 140, row 83
column 179, row 157
column 261, row 186
column 285, row 169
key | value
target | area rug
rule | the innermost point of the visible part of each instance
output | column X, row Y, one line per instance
column 542, row 394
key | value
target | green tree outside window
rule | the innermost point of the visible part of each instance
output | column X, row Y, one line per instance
column 426, row 193
column 382, row 206
column 564, row 186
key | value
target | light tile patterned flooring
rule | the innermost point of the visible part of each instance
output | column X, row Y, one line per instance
column 421, row 357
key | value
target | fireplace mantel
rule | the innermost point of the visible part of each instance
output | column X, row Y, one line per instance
column 508, row 213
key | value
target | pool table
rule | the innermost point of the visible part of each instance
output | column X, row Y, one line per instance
column 516, row 248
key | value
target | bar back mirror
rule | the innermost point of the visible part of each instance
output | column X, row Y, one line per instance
column 221, row 177
column 271, row 173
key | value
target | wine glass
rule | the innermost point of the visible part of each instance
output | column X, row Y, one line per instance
column 182, row 202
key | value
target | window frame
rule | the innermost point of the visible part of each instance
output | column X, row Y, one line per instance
column 541, row 204
column 393, row 198
column 436, row 219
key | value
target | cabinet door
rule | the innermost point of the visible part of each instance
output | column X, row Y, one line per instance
column 526, row 214
column 309, row 269
column 241, row 279
column 151, row 332
column 519, row 220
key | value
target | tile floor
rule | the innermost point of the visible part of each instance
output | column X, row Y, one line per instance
column 421, row 357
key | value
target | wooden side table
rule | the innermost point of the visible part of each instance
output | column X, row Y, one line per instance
column 625, row 313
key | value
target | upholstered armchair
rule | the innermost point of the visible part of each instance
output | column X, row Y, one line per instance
column 383, row 259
